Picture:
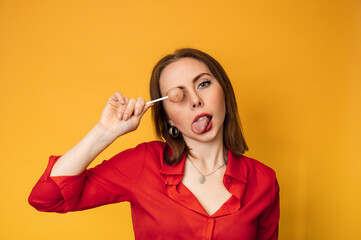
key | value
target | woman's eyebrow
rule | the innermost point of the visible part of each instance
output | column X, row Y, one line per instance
column 195, row 79
column 199, row 76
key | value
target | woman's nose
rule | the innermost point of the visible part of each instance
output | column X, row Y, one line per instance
column 196, row 101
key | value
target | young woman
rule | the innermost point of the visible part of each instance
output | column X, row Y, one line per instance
column 194, row 184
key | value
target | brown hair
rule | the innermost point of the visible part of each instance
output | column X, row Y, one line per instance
column 232, row 136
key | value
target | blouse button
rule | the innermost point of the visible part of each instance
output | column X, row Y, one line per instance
column 229, row 180
column 210, row 220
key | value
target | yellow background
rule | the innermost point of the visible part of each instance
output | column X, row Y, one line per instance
column 295, row 67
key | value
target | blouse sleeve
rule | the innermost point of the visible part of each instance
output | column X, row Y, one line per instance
column 268, row 220
column 109, row 182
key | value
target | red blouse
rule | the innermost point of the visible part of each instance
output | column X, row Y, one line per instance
column 162, row 207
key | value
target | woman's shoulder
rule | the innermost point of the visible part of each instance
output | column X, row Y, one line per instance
column 144, row 152
column 257, row 168
column 157, row 146
column 151, row 149
column 152, row 146
column 142, row 149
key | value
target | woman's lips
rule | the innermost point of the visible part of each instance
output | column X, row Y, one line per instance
column 200, row 116
column 202, row 123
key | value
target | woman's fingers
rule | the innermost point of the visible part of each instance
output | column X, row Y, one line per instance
column 139, row 106
column 128, row 112
column 146, row 107
column 121, row 108
column 134, row 108
column 120, row 97
column 116, row 99
column 128, row 107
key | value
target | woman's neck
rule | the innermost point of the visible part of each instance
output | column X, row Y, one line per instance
column 207, row 155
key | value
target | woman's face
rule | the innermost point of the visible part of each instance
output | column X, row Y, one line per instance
column 200, row 114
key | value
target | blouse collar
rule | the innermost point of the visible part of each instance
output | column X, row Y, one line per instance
column 235, row 168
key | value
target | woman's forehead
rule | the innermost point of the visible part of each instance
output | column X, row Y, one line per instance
column 182, row 71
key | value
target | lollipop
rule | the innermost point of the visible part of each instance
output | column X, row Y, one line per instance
column 174, row 95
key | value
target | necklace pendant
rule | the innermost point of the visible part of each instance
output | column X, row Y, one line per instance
column 202, row 180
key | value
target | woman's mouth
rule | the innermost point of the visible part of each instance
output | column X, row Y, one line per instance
column 202, row 123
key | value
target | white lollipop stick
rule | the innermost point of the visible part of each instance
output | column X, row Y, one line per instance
column 157, row 100
column 175, row 95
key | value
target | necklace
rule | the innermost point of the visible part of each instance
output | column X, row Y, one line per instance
column 202, row 178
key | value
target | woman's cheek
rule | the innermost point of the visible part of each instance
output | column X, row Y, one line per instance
column 175, row 113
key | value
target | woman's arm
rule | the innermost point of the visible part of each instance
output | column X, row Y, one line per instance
column 268, row 221
column 71, row 186
column 119, row 117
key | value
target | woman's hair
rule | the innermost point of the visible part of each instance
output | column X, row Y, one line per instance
column 232, row 135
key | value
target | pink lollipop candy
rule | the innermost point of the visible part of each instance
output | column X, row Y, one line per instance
column 174, row 95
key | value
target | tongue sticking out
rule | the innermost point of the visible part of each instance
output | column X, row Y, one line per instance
column 200, row 125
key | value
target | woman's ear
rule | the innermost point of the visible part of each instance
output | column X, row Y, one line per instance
column 171, row 122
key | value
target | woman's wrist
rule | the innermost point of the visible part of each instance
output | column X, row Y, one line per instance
column 77, row 159
column 103, row 135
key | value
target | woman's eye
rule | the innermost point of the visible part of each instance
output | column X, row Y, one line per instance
column 204, row 84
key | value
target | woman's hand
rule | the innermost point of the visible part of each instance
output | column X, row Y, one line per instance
column 122, row 115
